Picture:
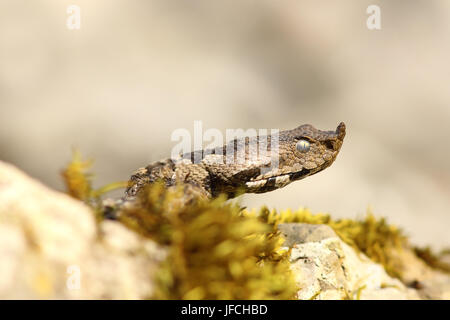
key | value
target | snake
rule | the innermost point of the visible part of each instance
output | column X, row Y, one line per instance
column 241, row 166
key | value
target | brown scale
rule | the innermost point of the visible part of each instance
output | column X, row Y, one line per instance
column 302, row 152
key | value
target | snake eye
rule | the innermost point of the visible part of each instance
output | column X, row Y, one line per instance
column 303, row 146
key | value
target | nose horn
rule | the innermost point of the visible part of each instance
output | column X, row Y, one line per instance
column 340, row 131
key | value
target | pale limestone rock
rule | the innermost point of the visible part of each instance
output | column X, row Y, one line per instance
column 298, row 233
column 430, row 283
column 327, row 268
column 48, row 239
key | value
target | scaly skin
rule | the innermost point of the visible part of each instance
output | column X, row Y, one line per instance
column 216, row 173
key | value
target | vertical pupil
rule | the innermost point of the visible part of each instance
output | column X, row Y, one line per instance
column 303, row 146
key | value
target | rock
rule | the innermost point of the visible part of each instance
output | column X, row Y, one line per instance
column 327, row 268
column 301, row 233
column 429, row 283
column 52, row 248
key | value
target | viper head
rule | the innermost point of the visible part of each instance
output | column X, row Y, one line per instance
column 302, row 152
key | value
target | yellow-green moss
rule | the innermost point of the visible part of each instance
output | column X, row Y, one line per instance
column 372, row 236
column 214, row 252
column 78, row 181
column 218, row 251
column 76, row 177
column 432, row 259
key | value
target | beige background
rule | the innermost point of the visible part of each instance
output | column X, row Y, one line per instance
column 137, row 70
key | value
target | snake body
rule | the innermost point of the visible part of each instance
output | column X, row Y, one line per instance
column 240, row 166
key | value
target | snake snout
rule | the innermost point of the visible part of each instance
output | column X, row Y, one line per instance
column 340, row 131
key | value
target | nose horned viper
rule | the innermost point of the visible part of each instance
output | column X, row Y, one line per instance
column 239, row 166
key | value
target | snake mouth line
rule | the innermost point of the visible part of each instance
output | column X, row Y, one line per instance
column 279, row 180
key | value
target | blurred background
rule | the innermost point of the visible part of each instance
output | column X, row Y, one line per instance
column 138, row 69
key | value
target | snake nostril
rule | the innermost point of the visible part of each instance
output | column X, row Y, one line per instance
column 329, row 144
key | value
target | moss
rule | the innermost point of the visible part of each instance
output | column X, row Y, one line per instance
column 353, row 295
column 372, row 236
column 214, row 251
column 315, row 295
column 78, row 181
column 432, row 259
column 76, row 177
column 218, row 251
